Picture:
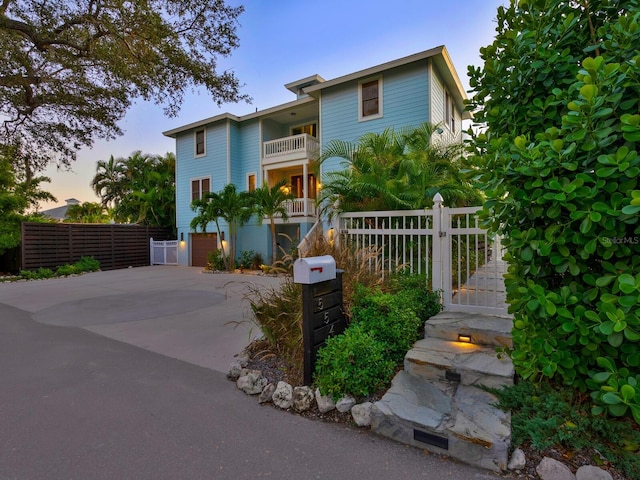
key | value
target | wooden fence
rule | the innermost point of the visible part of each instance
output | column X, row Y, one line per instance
column 50, row 245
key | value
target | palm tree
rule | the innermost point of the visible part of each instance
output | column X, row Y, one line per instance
column 87, row 212
column 270, row 202
column 228, row 205
column 108, row 182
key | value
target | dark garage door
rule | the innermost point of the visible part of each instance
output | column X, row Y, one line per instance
column 201, row 245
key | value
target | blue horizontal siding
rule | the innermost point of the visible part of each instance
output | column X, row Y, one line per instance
column 405, row 96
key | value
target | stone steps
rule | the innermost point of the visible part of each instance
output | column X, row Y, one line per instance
column 437, row 402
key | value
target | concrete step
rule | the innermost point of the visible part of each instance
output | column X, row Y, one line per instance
column 437, row 360
column 482, row 329
column 451, row 419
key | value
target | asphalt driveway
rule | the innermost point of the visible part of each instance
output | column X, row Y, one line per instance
column 179, row 312
column 80, row 400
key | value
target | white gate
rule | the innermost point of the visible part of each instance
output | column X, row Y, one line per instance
column 446, row 244
column 164, row 252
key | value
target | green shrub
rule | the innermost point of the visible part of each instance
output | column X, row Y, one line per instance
column 353, row 363
column 87, row 264
column 65, row 270
column 559, row 162
column 389, row 318
column 39, row 274
column 548, row 416
column 245, row 260
column 215, row 260
column 414, row 290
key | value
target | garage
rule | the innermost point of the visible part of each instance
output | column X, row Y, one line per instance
column 201, row 245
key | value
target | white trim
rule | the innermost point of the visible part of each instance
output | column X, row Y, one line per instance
column 362, row 118
column 430, row 89
column 228, row 127
column 195, row 143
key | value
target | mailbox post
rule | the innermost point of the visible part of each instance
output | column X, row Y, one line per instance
column 322, row 313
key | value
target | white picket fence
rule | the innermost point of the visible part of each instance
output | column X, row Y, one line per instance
column 163, row 252
column 446, row 244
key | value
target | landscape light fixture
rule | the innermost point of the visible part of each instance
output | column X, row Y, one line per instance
column 464, row 338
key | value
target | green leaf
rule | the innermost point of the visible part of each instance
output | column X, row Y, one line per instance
column 627, row 392
column 611, row 398
column 588, row 91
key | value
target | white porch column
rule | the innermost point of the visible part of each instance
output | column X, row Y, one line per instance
column 305, row 187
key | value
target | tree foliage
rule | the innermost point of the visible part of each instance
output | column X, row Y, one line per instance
column 396, row 170
column 87, row 212
column 69, row 69
column 559, row 95
column 138, row 189
column 17, row 196
column 270, row 202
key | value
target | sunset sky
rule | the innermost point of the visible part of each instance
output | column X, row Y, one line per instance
column 282, row 41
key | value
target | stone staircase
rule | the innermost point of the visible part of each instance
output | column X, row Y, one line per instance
column 437, row 403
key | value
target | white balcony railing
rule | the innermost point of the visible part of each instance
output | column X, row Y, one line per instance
column 296, row 147
column 296, row 207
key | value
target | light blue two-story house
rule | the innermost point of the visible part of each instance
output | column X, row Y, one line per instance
column 283, row 141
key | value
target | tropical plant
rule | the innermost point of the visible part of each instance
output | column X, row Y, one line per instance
column 228, row 205
column 396, row 170
column 558, row 157
column 270, row 202
column 140, row 188
column 87, row 212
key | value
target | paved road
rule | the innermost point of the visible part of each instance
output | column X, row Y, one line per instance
column 76, row 404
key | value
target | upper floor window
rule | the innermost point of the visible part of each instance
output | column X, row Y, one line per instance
column 199, row 188
column 449, row 111
column 370, row 99
column 310, row 129
column 200, row 142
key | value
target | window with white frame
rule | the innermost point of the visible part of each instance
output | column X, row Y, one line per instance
column 449, row 111
column 370, row 99
column 199, row 188
column 251, row 182
column 200, row 143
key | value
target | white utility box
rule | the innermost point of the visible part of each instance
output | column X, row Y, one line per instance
column 314, row 269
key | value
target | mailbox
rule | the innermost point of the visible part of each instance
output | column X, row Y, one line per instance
column 312, row 270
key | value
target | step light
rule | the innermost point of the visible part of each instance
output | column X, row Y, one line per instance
column 464, row 338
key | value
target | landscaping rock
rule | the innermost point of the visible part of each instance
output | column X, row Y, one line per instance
column 550, row 469
column 235, row 369
column 252, row 383
column 345, row 404
column 243, row 360
column 518, row 460
column 283, row 395
column 590, row 472
column 267, row 393
column 302, row 399
column 362, row 414
column 325, row 403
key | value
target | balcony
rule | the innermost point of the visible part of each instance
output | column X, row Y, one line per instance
column 301, row 207
column 288, row 149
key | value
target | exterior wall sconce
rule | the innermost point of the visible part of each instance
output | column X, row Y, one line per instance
column 464, row 338
column 181, row 237
column 222, row 236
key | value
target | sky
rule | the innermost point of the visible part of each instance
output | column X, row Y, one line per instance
column 282, row 41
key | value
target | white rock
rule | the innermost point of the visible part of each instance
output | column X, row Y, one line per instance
column 518, row 460
column 590, row 472
column 345, row 404
column 550, row 469
column 267, row 393
column 302, row 399
column 325, row 402
column 252, row 383
column 235, row 369
column 362, row 414
column 283, row 395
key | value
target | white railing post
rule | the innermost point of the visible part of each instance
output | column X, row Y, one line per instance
column 151, row 256
column 436, row 264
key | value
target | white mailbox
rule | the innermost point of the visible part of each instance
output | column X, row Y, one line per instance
column 314, row 269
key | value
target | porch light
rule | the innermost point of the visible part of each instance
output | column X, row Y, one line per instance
column 464, row 338
column 181, row 237
column 222, row 236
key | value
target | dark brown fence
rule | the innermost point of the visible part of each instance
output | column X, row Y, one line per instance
column 114, row 246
